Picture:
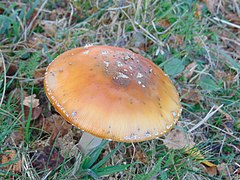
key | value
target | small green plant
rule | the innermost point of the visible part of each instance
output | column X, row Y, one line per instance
column 95, row 168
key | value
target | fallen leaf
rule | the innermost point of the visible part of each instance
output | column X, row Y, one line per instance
column 189, row 69
column 198, row 11
column 6, row 158
column 31, row 101
column 49, row 28
column 175, row 41
column 211, row 171
column 191, row 96
column 164, row 23
column 31, row 105
column 178, row 139
column 18, row 136
column 1, row 65
column 39, row 75
column 35, row 112
column 35, row 41
column 67, row 145
column 12, row 69
column 227, row 77
column 200, row 40
column 140, row 156
column 47, row 158
column 55, row 125
column 224, row 169
column 211, row 4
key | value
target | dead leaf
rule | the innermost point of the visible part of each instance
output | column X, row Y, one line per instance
column 211, row 4
column 227, row 77
column 211, row 171
column 176, row 41
column 39, row 75
column 140, row 156
column 47, row 158
column 200, row 40
column 1, row 65
column 31, row 105
column 178, row 139
column 164, row 23
column 18, row 136
column 7, row 157
column 224, row 169
column 35, row 112
column 189, row 69
column 35, row 41
column 49, row 28
column 55, row 125
column 31, row 101
column 191, row 96
column 67, row 145
column 198, row 11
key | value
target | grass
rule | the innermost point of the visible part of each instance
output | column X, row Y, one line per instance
column 173, row 34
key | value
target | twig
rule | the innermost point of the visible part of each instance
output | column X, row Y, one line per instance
column 5, row 78
column 204, row 120
column 226, row 22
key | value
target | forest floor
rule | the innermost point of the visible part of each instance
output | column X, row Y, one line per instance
column 197, row 43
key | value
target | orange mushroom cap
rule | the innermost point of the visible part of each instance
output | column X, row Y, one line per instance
column 112, row 93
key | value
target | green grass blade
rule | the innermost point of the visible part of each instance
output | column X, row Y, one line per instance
column 106, row 158
column 111, row 169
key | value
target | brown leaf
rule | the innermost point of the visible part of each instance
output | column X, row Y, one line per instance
column 12, row 69
column 31, row 105
column 228, row 77
column 189, row 69
column 178, row 139
column 224, row 169
column 31, row 101
column 39, row 75
column 49, row 28
column 36, row 112
column 176, row 41
column 55, row 125
column 198, row 11
column 10, row 155
column 211, row 171
column 164, row 23
column 211, row 4
column 200, row 40
column 18, row 136
column 191, row 96
column 35, row 42
column 67, row 145
column 140, row 156
column 47, row 158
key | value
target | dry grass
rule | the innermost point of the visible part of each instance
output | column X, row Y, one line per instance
column 203, row 36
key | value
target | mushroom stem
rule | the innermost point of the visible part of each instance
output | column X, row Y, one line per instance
column 88, row 142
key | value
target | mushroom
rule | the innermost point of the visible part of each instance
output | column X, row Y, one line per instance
column 112, row 93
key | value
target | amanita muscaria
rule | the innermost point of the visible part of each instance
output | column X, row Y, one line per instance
column 112, row 93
